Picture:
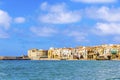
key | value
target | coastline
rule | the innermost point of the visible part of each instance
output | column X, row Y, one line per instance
column 47, row 59
column 14, row 58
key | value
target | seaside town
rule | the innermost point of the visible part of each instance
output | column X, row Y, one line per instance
column 100, row 52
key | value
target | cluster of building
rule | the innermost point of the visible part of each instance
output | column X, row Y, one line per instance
column 100, row 52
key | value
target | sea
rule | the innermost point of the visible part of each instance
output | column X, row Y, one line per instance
column 59, row 70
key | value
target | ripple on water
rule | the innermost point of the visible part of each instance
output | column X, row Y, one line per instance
column 60, row 70
column 113, row 79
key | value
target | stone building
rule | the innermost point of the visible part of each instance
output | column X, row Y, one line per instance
column 60, row 53
column 54, row 53
column 50, row 53
column 36, row 54
column 100, row 52
column 81, row 52
column 91, row 54
column 66, row 53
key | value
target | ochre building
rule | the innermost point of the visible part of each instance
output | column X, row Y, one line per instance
column 100, row 52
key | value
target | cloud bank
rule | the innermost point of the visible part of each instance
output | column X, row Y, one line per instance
column 58, row 14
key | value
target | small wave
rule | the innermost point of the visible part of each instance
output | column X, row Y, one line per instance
column 3, row 74
column 113, row 79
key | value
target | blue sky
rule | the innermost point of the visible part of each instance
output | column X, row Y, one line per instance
column 27, row 24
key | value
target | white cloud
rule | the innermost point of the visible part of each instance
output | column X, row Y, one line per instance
column 44, row 5
column 5, row 19
column 95, row 1
column 5, row 22
column 43, row 31
column 107, row 29
column 58, row 14
column 19, row 20
column 76, row 35
column 104, row 13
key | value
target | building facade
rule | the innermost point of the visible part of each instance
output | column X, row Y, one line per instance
column 100, row 52
column 36, row 54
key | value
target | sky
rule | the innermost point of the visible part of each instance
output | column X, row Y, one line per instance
column 41, row 24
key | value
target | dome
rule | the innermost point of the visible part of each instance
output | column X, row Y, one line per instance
column 114, row 51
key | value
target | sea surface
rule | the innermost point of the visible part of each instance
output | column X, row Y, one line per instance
column 59, row 70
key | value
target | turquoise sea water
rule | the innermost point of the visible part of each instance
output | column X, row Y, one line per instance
column 59, row 70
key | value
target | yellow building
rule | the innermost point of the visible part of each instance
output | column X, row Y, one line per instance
column 60, row 53
column 50, row 53
column 91, row 55
column 66, row 53
column 82, row 52
column 36, row 54
column 100, row 52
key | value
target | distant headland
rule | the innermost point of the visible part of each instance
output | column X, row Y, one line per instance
column 100, row 52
